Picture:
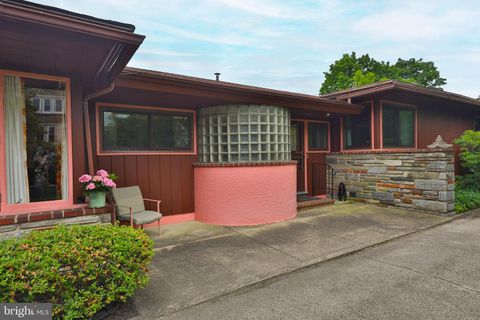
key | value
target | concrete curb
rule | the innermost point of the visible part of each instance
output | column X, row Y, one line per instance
column 262, row 280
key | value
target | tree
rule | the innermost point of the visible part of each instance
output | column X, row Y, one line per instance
column 351, row 72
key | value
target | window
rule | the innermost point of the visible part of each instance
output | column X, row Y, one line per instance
column 357, row 130
column 476, row 124
column 146, row 130
column 36, row 104
column 37, row 158
column 317, row 136
column 58, row 105
column 46, row 105
column 243, row 133
column 398, row 126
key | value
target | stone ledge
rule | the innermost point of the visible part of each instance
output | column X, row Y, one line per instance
column 15, row 219
column 378, row 151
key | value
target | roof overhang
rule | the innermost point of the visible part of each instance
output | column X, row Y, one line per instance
column 220, row 92
column 405, row 87
column 49, row 40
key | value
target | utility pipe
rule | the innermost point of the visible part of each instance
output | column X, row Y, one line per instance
column 86, row 120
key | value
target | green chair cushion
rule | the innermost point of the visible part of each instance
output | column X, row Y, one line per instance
column 128, row 197
column 142, row 217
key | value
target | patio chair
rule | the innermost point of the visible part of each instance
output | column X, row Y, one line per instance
column 130, row 207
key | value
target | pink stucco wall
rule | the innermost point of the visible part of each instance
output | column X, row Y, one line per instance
column 250, row 195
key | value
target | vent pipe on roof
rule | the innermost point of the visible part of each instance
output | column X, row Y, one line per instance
column 217, row 76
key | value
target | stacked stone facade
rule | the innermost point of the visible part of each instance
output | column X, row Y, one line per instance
column 421, row 179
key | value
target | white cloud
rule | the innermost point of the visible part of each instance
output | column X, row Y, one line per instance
column 415, row 22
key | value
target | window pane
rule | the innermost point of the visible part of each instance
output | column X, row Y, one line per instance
column 146, row 130
column 182, row 132
column 125, row 131
column 398, row 126
column 388, row 124
column 37, row 138
column 162, row 131
column 46, row 105
column 476, row 125
column 317, row 136
column 357, row 130
column 406, row 123
column 58, row 105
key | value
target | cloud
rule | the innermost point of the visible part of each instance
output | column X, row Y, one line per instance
column 288, row 44
column 415, row 22
column 259, row 7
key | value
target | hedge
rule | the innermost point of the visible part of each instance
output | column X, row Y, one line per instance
column 79, row 269
column 466, row 199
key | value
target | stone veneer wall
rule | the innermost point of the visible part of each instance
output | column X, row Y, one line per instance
column 420, row 179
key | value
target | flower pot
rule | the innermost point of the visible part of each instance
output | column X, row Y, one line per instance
column 96, row 199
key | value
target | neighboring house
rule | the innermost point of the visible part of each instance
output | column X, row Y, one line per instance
column 213, row 151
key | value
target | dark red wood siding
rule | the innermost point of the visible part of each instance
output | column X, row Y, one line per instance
column 435, row 117
column 165, row 177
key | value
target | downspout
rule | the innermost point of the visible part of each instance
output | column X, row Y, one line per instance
column 86, row 120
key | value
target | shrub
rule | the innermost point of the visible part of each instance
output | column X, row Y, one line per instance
column 79, row 269
column 469, row 143
column 466, row 199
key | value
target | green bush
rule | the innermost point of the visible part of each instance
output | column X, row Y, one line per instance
column 79, row 269
column 466, row 199
column 469, row 143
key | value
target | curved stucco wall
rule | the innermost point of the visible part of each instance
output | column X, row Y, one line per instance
column 245, row 195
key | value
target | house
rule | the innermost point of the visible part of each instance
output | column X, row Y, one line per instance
column 218, row 152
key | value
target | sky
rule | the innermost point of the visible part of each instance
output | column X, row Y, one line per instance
column 288, row 45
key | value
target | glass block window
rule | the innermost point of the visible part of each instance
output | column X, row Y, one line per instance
column 243, row 133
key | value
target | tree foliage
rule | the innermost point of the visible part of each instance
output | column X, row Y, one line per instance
column 352, row 71
column 469, row 143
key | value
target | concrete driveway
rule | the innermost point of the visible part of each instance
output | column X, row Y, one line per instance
column 195, row 262
column 433, row 274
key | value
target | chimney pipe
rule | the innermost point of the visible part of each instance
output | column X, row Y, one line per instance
column 217, row 76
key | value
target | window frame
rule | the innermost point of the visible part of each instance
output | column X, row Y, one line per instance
column 99, row 106
column 400, row 105
column 372, row 129
column 6, row 208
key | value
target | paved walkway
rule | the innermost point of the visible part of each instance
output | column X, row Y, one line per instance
column 195, row 262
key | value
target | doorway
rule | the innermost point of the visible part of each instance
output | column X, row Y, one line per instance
column 310, row 145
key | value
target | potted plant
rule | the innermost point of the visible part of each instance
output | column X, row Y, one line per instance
column 96, row 187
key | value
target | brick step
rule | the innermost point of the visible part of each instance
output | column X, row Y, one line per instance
column 315, row 203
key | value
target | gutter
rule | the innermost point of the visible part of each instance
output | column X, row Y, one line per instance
column 86, row 120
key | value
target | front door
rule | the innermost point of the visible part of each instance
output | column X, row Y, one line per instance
column 298, row 153
column 317, row 148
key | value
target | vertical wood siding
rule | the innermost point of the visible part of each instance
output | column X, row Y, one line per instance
column 165, row 177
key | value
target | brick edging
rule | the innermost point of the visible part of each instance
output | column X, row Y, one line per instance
column 245, row 164
column 53, row 214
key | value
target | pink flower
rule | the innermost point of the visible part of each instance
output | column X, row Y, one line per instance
column 97, row 178
column 90, row 186
column 109, row 183
column 85, row 178
column 102, row 173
